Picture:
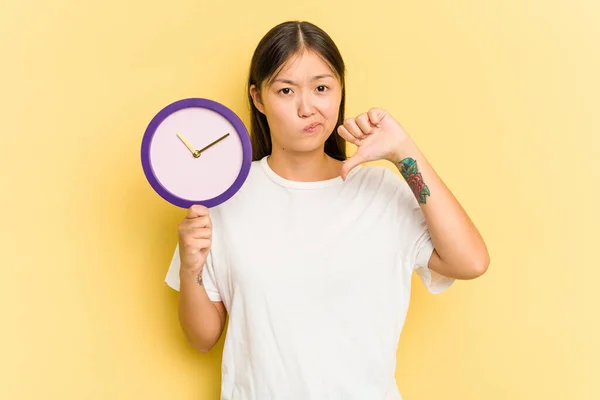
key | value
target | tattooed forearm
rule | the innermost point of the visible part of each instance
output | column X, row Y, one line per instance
column 413, row 177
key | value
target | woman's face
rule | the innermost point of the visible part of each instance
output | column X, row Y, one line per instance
column 301, row 103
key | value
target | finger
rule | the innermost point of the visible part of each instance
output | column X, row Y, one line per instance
column 188, row 225
column 364, row 124
column 195, row 245
column 376, row 116
column 343, row 132
column 195, row 223
column 200, row 233
column 200, row 222
column 196, row 211
column 203, row 244
column 353, row 129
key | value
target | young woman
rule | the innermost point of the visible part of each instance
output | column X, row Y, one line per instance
column 312, row 259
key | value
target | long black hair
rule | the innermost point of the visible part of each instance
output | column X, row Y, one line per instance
column 273, row 50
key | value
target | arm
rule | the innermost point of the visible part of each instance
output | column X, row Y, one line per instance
column 460, row 251
column 201, row 319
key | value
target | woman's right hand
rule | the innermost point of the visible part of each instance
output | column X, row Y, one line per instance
column 195, row 238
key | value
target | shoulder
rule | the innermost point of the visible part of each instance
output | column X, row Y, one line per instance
column 384, row 184
column 240, row 199
column 377, row 176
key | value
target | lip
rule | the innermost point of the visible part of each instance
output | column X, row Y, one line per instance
column 311, row 127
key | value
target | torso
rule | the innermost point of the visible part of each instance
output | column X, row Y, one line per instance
column 315, row 284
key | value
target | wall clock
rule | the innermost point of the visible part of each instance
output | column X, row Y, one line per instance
column 196, row 151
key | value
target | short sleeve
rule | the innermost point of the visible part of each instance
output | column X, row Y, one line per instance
column 434, row 282
column 208, row 275
column 418, row 246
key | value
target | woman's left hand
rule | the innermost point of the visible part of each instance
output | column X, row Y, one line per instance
column 378, row 136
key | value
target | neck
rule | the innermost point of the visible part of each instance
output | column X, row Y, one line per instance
column 305, row 166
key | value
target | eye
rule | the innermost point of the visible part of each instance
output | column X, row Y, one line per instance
column 322, row 88
column 285, row 91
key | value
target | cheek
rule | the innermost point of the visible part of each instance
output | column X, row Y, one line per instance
column 332, row 102
column 330, row 110
column 277, row 113
column 333, row 110
column 280, row 118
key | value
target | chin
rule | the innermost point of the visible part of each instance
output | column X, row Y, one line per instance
column 307, row 147
column 306, row 143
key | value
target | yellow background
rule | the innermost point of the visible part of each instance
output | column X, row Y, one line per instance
column 502, row 97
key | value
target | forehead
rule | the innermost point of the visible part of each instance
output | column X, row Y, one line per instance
column 304, row 63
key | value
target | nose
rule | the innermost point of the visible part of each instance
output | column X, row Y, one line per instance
column 305, row 106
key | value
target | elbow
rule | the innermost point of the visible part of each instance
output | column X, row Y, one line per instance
column 197, row 342
column 476, row 260
column 479, row 265
column 203, row 350
column 201, row 347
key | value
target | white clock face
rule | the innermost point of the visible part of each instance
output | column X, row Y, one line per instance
column 174, row 164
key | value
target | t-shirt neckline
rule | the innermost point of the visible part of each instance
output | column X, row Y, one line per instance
column 301, row 185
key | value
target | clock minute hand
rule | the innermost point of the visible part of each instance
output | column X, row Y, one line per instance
column 213, row 143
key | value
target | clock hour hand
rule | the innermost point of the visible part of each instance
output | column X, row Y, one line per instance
column 195, row 152
column 213, row 143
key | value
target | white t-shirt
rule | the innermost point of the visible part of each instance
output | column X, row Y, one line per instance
column 315, row 277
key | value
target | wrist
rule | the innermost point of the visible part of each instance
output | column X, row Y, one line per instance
column 191, row 275
column 407, row 148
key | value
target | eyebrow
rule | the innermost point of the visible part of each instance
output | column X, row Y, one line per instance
column 314, row 78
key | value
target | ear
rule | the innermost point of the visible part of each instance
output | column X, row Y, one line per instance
column 254, row 92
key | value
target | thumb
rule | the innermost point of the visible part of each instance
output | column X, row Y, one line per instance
column 349, row 164
column 196, row 211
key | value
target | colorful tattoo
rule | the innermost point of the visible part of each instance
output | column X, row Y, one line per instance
column 413, row 177
column 199, row 279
